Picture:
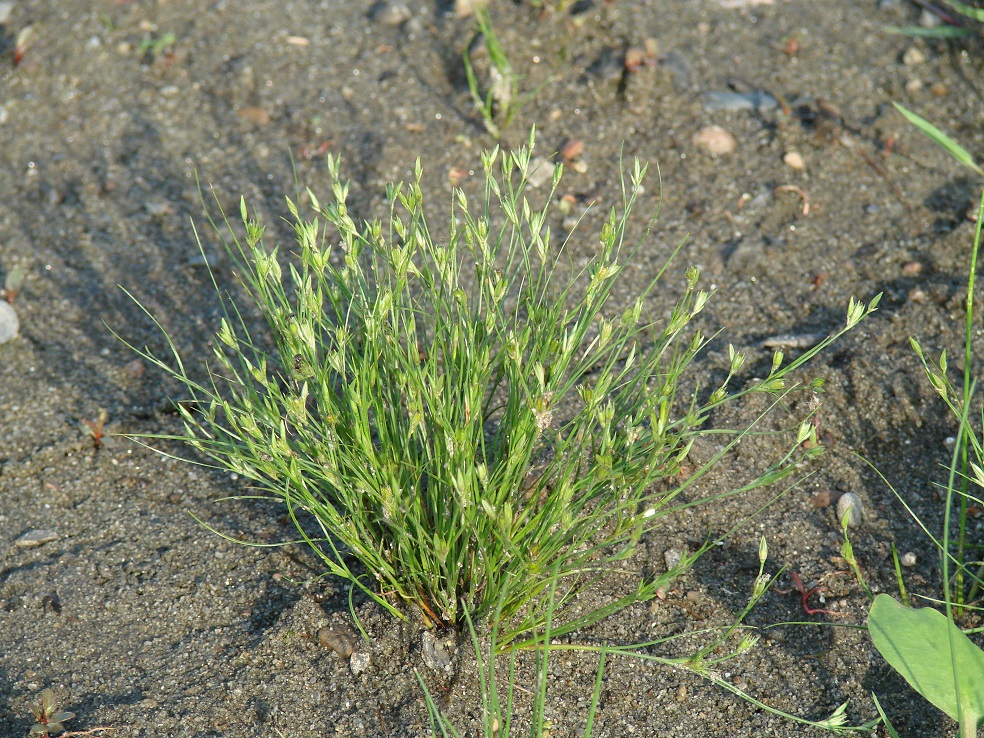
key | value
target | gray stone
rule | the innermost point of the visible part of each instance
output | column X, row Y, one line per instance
column 436, row 652
column 35, row 538
column 359, row 662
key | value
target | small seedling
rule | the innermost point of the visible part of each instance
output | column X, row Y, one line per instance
column 152, row 46
column 502, row 101
column 847, row 553
column 24, row 39
column 47, row 719
column 94, row 428
column 13, row 284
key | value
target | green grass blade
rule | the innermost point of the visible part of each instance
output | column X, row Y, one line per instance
column 955, row 150
column 968, row 11
column 888, row 725
column 944, row 31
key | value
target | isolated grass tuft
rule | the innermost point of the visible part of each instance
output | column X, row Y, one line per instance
column 461, row 412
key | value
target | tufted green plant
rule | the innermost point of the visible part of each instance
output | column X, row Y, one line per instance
column 459, row 411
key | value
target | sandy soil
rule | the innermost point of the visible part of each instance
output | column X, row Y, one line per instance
column 140, row 618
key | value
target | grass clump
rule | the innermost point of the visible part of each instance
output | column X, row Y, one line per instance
column 461, row 413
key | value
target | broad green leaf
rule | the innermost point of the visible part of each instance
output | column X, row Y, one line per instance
column 917, row 643
column 955, row 150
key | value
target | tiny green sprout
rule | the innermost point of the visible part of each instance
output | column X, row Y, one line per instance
column 847, row 553
column 47, row 719
column 763, row 551
column 12, row 284
column 153, row 45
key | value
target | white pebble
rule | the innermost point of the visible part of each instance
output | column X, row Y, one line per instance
column 908, row 559
column 541, row 172
column 913, row 56
column 359, row 662
column 794, row 160
column 715, row 140
column 9, row 324
column 849, row 507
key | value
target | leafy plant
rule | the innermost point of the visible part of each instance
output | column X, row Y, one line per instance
column 934, row 656
column 47, row 719
column 958, row 401
column 457, row 415
column 925, row 646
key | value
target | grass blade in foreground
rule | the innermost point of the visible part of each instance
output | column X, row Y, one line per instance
column 955, row 150
column 459, row 413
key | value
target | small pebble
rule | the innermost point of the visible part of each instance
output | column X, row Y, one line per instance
column 35, row 538
column 757, row 100
column 6, row 8
column 796, row 341
column 823, row 498
column 929, row 19
column 359, row 662
column 913, row 56
column 572, row 149
column 635, row 56
column 917, row 296
column 436, row 651
column 203, row 260
column 680, row 69
column 938, row 89
column 672, row 557
column 255, row 115
column 913, row 85
column 540, row 173
column 9, row 323
column 134, row 369
column 912, row 269
column 394, row 14
column 715, row 140
column 158, row 208
column 908, row 559
column 467, row 8
column 340, row 641
column 849, row 508
column 794, row 160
